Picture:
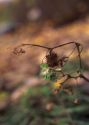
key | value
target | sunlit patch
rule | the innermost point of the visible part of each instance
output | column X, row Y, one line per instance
column 58, row 83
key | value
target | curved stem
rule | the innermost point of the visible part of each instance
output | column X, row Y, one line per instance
column 33, row 45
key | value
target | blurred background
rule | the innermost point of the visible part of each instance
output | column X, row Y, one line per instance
column 25, row 98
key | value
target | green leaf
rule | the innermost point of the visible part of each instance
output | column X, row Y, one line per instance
column 44, row 65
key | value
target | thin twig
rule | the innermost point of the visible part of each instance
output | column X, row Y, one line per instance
column 64, row 44
column 85, row 78
column 79, row 76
